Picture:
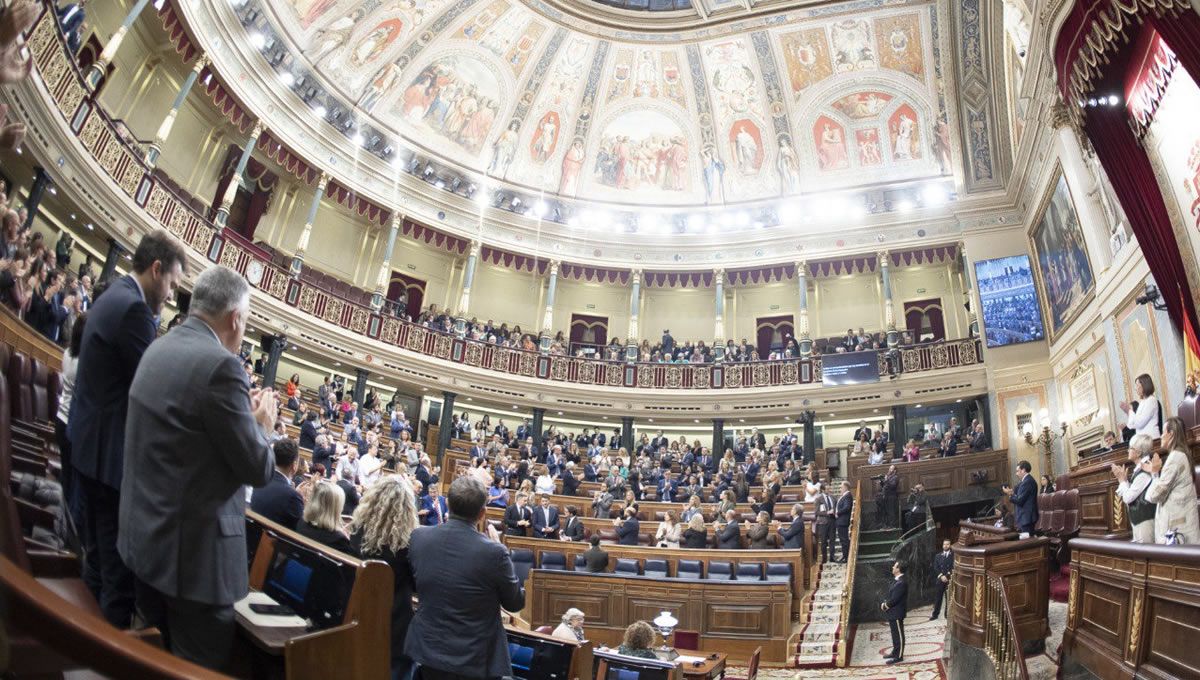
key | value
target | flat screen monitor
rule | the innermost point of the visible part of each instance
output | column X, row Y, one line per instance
column 538, row 658
column 850, row 368
column 313, row 585
column 1011, row 312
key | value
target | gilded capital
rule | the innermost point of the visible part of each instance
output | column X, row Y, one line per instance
column 201, row 62
column 258, row 128
column 322, row 182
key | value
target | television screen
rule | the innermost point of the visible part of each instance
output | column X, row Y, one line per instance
column 851, row 368
column 1011, row 313
column 539, row 657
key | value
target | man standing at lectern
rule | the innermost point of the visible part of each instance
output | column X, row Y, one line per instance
column 1024, row 499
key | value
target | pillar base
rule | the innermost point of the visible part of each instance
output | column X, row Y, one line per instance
column 377, row 300
column 94, row 74
column 893, row 337
column 544, row 343
column 152, row 154
column 222, row 216
column 719, row 351
column 297, row 266
column 805, row 346
column 631, row 353
column 460, row 326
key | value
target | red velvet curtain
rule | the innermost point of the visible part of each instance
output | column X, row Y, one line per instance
column 925, row 317
column 262, row 182
column 414, row 289
column 1123, row 158
column 771, row 333
column 588, row 331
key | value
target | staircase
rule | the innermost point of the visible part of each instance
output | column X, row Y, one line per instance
column 876, row 545
column 817, row 645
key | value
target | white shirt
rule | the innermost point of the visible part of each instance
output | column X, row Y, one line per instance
column 368, row 470
column 544, row 484
column 69, row 365
column 1145, row 419
column 1131, row 491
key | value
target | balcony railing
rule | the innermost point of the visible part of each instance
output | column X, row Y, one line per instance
column 123, row 162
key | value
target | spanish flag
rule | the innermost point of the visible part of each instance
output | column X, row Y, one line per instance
column 1191, row 350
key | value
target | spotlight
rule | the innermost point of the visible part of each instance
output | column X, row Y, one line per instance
column 904, row 205
column 287, row 78
column 515, row 203
column 573, row 222
column 1092, row 101
column 789, row 211
column 320, row 111
column 649, row 223
column 258, row 41
column 428, row 170
column 540, row 208
column 742, row 218
column 933, row 194
column 482, row 196
column 1113, row 100
column 697, row 222
column 359, row 139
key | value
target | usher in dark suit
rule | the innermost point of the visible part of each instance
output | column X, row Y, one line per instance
column 457, row 630
column 120, row 327
column 943, row 565
column 897, row 609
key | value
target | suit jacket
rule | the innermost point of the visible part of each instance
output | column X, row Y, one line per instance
column 192, row 446
column 573, row 528
column 665, row 494
column 845, row 505
column 513, row 515
column 308, row 434
column 569, row 483
column 278, row 501
column 757, row 533
column 897, row 600
column 540, row 522
column 943, row 564
column 627, row 533
column 119, row 329
column 351, row 492
column 458, row 629
column 589, row 473
column 1024, row 500
column 596, row 560
column 860, row 430
column 433, row 505
column 793, row 534
column 730, row 537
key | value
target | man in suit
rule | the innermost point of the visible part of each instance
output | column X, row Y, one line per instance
column 545, row 520
column 668, row 342
column 1024, row 498
column 308, row 432
column 457, row 632
column 192, row 443
column 279, row 501
column 120, row 327
column 602, row 502
column 573, row 528
column 595, row 557
column 627, row 530
column 667, row 488
column 793, row 533
column 518, row 517
column 842, row 512
column 434, row 507
column 943, row 565
column 346, row 481
column 570, row 483
column 729, row 536
column 426, row 475
column 862, row 428
column 589, row 472
column 889, row 491
column 523, row 431
column 478, row 451
column 894, row 609
column 979, row 439
column 758, row 440
column 824, row 509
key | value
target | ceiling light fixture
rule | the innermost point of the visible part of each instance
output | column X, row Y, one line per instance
column 904, row 205
column 257, row 40
column 320, row 111
column 287, row 78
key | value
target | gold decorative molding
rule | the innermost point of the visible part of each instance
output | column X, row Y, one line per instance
column 1072, row 597
column 977, row 605
column 1135, row 630
column 1118, row 507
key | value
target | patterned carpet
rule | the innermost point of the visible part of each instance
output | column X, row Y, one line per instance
column 921, row 670
column 924, row 640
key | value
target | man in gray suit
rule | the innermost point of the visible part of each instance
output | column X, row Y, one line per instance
column 463, row 579
column 195, row 436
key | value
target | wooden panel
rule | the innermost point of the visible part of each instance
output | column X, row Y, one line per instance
column 939, row 475
column 1023, row 568
column 1172, row 640
column 1103, row 610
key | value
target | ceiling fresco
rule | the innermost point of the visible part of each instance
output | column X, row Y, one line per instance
column 810, row 100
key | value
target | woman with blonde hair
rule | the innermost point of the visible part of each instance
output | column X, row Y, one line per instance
column 322, row 521
column 381, row 528
column 696, row 535
column 693, row 508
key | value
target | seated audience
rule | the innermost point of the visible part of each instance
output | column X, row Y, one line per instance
column 696, row 535
column 793, row 533
column 627, row 530
column 322, row 520
column 729, row 534
column 669, row 531
column 759, row 531
column 1047, row 485
column 571, row 627
column 639, row 638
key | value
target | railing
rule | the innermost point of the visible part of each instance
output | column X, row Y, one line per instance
column 123, row 163
column 848, row 593
column 1001, row 641
column 25, row 339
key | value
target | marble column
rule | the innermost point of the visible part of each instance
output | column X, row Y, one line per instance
column 548, row 313
column 968, row 287
column 1086, row 189
column 802, row 329
column 96, row 71
column 385, row 267
column 635, row 301
column 306, row 232
column 360, row 385
column 627, row 435
column 464, row 300
column 236, row 180
column 41, row 182
column 718, row 438
column 164, row 129
column 889, row 312
column 719, row 321
column 537, row 426
column 276, row 344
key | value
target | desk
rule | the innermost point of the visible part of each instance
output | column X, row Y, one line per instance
column 711, row 669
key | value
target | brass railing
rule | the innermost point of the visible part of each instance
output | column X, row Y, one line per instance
column 1001, row 642
column 848, row 593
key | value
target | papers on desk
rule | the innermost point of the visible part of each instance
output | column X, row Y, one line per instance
column 242, row 607
column 689, row 660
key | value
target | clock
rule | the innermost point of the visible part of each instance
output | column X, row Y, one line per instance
column 254, row 272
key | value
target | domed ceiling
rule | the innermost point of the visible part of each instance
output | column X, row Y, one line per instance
column 757, row 106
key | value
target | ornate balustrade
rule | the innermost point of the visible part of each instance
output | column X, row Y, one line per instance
column 123, row 162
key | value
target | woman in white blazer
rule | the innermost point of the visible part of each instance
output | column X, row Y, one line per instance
column 1172, row 488
column 1145, row 419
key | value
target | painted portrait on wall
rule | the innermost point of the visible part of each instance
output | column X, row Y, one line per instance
column 1063, row 266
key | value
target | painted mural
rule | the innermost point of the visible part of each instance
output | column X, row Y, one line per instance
column 811, row 101
column 1061, row 254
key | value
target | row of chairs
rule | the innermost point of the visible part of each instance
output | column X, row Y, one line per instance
column 523, row 562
